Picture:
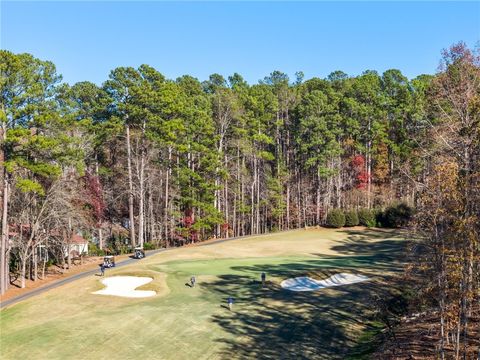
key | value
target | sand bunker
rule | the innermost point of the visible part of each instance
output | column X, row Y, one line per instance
column 309, row 284
column 125, row 286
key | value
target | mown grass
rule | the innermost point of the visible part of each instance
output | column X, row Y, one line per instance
column 194, row 323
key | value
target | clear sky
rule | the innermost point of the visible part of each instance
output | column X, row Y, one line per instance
column 88, row 39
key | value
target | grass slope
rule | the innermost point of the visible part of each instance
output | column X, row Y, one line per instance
column 185, row 323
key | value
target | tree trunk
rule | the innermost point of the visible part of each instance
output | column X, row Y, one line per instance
column 150, row 212
column 69, row 237
column 23, row 273
column 130, row 187
column 4, row 240
column 258, row 200
column 69, row 256
column 369, row 165
column 242, row 199
column 141, row 205
column 318, row 197
column 100, row 234
column 4, row 236
column 216, row 203
column 252, row 220
column 226, row 209
column 35, row 264
column 167, row 178
column 44, row 265
column 100, row 238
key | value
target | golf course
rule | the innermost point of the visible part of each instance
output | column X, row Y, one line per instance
column 184, row 322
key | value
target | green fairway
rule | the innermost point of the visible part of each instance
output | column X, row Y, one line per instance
column 194, row 323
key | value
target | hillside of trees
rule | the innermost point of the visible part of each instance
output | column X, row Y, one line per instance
column 147, row 160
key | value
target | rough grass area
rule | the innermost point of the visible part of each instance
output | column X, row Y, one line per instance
column 194, row 323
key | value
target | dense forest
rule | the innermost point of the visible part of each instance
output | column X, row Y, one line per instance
column 147, row 161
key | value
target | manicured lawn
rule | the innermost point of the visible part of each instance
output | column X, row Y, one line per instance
column 194, row 323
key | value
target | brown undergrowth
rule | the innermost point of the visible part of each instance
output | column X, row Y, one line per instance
column 417, row 337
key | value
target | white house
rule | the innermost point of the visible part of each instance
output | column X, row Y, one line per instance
column 77, row 246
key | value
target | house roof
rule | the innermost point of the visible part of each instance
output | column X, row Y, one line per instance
column 78, row 239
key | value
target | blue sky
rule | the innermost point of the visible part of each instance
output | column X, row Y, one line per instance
column 88, row 39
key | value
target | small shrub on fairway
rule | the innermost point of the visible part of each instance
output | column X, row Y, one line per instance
column 366, row 217
column 351, row 218
column 335, row 218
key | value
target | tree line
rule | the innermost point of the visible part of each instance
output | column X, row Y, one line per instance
column 165, row 162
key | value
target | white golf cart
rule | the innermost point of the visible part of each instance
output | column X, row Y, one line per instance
column 139, row 253
column 109, row 261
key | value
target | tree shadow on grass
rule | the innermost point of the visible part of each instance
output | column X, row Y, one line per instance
column 360, row 242
column 275, row 323
column 388, row 252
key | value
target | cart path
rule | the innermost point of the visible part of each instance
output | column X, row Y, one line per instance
column 69, row 279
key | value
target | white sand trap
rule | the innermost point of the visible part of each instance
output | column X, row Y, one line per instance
column 308, row 284
column 125, row 286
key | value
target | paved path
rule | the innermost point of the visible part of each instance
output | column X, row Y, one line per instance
column 69, row 279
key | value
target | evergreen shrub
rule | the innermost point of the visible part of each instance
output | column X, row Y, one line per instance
column 336, row 218
column 397, row 216
column 351, row 218
column 366, row 217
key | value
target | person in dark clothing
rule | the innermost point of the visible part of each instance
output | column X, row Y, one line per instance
column 264, row 276
column 192, row 281
column 230, row 303
column 102, row 269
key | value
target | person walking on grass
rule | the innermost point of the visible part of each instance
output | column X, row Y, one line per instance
column 263, row 276
column 230, row 303
column 102, row 269
column 192, row 281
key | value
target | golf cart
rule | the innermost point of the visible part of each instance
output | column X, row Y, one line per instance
column 109, row 261
column 139, row 253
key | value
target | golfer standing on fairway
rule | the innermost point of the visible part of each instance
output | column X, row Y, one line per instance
column 230, row 302
column 192, row 281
